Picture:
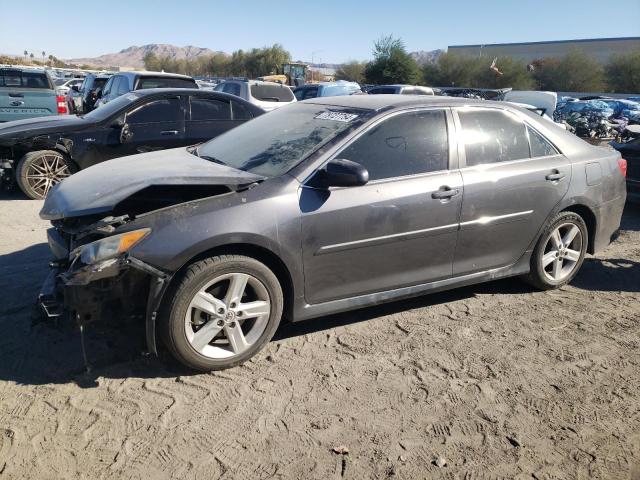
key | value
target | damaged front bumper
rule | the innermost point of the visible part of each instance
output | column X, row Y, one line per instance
column 114, row 287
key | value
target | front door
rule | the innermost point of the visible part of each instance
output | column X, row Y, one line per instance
column 513, row 178
column 399, row 229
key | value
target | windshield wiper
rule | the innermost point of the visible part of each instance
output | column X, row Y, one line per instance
column 195, row 152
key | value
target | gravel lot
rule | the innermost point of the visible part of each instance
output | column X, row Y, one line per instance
column 490, row 381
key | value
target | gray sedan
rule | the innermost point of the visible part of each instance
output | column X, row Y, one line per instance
column 324, row 206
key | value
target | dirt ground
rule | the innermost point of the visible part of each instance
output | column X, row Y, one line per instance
column 490, row 381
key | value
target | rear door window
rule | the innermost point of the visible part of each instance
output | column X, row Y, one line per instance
column 241, row 111
column 405, row 144
column 271, row 93
column 161, row 110
column 492, row 136
column 203, row 109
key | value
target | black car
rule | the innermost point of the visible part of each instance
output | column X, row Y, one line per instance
column 122, row 83
column 40, row 152
column 630, row 151
column 81, row 99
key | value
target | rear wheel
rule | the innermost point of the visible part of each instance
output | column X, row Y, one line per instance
column 222, row 312
column 559, row 253
column 38, row 172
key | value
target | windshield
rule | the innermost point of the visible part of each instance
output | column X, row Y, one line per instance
column 273, row 144
column 108, row 109
column 337, row 90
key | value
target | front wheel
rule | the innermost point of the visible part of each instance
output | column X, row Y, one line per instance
column 39, row 171
column 221, row 312
column 559, row 253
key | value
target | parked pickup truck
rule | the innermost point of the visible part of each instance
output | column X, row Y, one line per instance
column 28, row 93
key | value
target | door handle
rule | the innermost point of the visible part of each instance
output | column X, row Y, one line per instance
column 555, row 176
column 16, row 95
column 444, row 193
column 169, row 132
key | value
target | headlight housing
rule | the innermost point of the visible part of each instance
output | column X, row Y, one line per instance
column 109, row 247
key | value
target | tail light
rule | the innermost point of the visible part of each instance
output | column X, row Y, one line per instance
column 62, row 105
column 622, row 165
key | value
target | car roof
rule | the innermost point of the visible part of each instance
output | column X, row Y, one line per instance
column 389, row 101
column 25, row 68
column 154, row 74
column 146, row 92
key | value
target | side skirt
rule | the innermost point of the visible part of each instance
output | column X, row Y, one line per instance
column 306, row 311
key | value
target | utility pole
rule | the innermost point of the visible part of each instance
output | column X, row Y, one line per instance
column 312, row 61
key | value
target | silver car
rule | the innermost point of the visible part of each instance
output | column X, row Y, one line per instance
column 324, row 206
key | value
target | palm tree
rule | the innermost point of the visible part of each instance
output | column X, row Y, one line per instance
column 51, row 60
column 31, row 56
column 43, row 54
column 25, row 55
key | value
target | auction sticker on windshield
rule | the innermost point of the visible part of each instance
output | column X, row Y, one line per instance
column 336, row 116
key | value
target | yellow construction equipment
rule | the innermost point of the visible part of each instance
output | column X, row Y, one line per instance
column 291, row 73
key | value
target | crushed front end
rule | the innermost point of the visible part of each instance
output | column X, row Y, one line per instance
column 94, row 278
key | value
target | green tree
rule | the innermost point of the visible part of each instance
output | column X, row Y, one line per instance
column 575, row 72
column 623, row 72
column 151, row 61
column 391, row 63
column 352, row 71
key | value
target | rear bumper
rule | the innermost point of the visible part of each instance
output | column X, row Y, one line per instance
column 608, row 218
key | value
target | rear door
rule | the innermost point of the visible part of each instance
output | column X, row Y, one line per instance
column 399, row 229
column 26, row 94
column 207, row 118
column 513, row 178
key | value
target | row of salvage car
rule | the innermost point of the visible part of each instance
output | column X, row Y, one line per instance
column 135, row 112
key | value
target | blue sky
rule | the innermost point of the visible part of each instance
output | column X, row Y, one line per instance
column 333, row 31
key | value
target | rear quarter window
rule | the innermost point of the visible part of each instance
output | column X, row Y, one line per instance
column 271, row 93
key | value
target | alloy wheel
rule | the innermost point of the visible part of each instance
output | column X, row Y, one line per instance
column 45, row 171
column 227, row 316
column 562, row 252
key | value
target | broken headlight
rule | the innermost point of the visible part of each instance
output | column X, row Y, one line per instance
column 108, row 247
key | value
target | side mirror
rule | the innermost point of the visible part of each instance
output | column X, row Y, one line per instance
column 117, row 123
column 99, row 93
column 125, row 134
column 340, row 173
column 75, row 88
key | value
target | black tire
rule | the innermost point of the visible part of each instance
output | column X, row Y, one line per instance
column 31, row 164
column 195, row 277
column 537, row 276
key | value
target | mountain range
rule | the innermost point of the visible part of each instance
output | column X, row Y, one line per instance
column 134, row 55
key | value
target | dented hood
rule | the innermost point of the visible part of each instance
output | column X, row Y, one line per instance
column 100, row 188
